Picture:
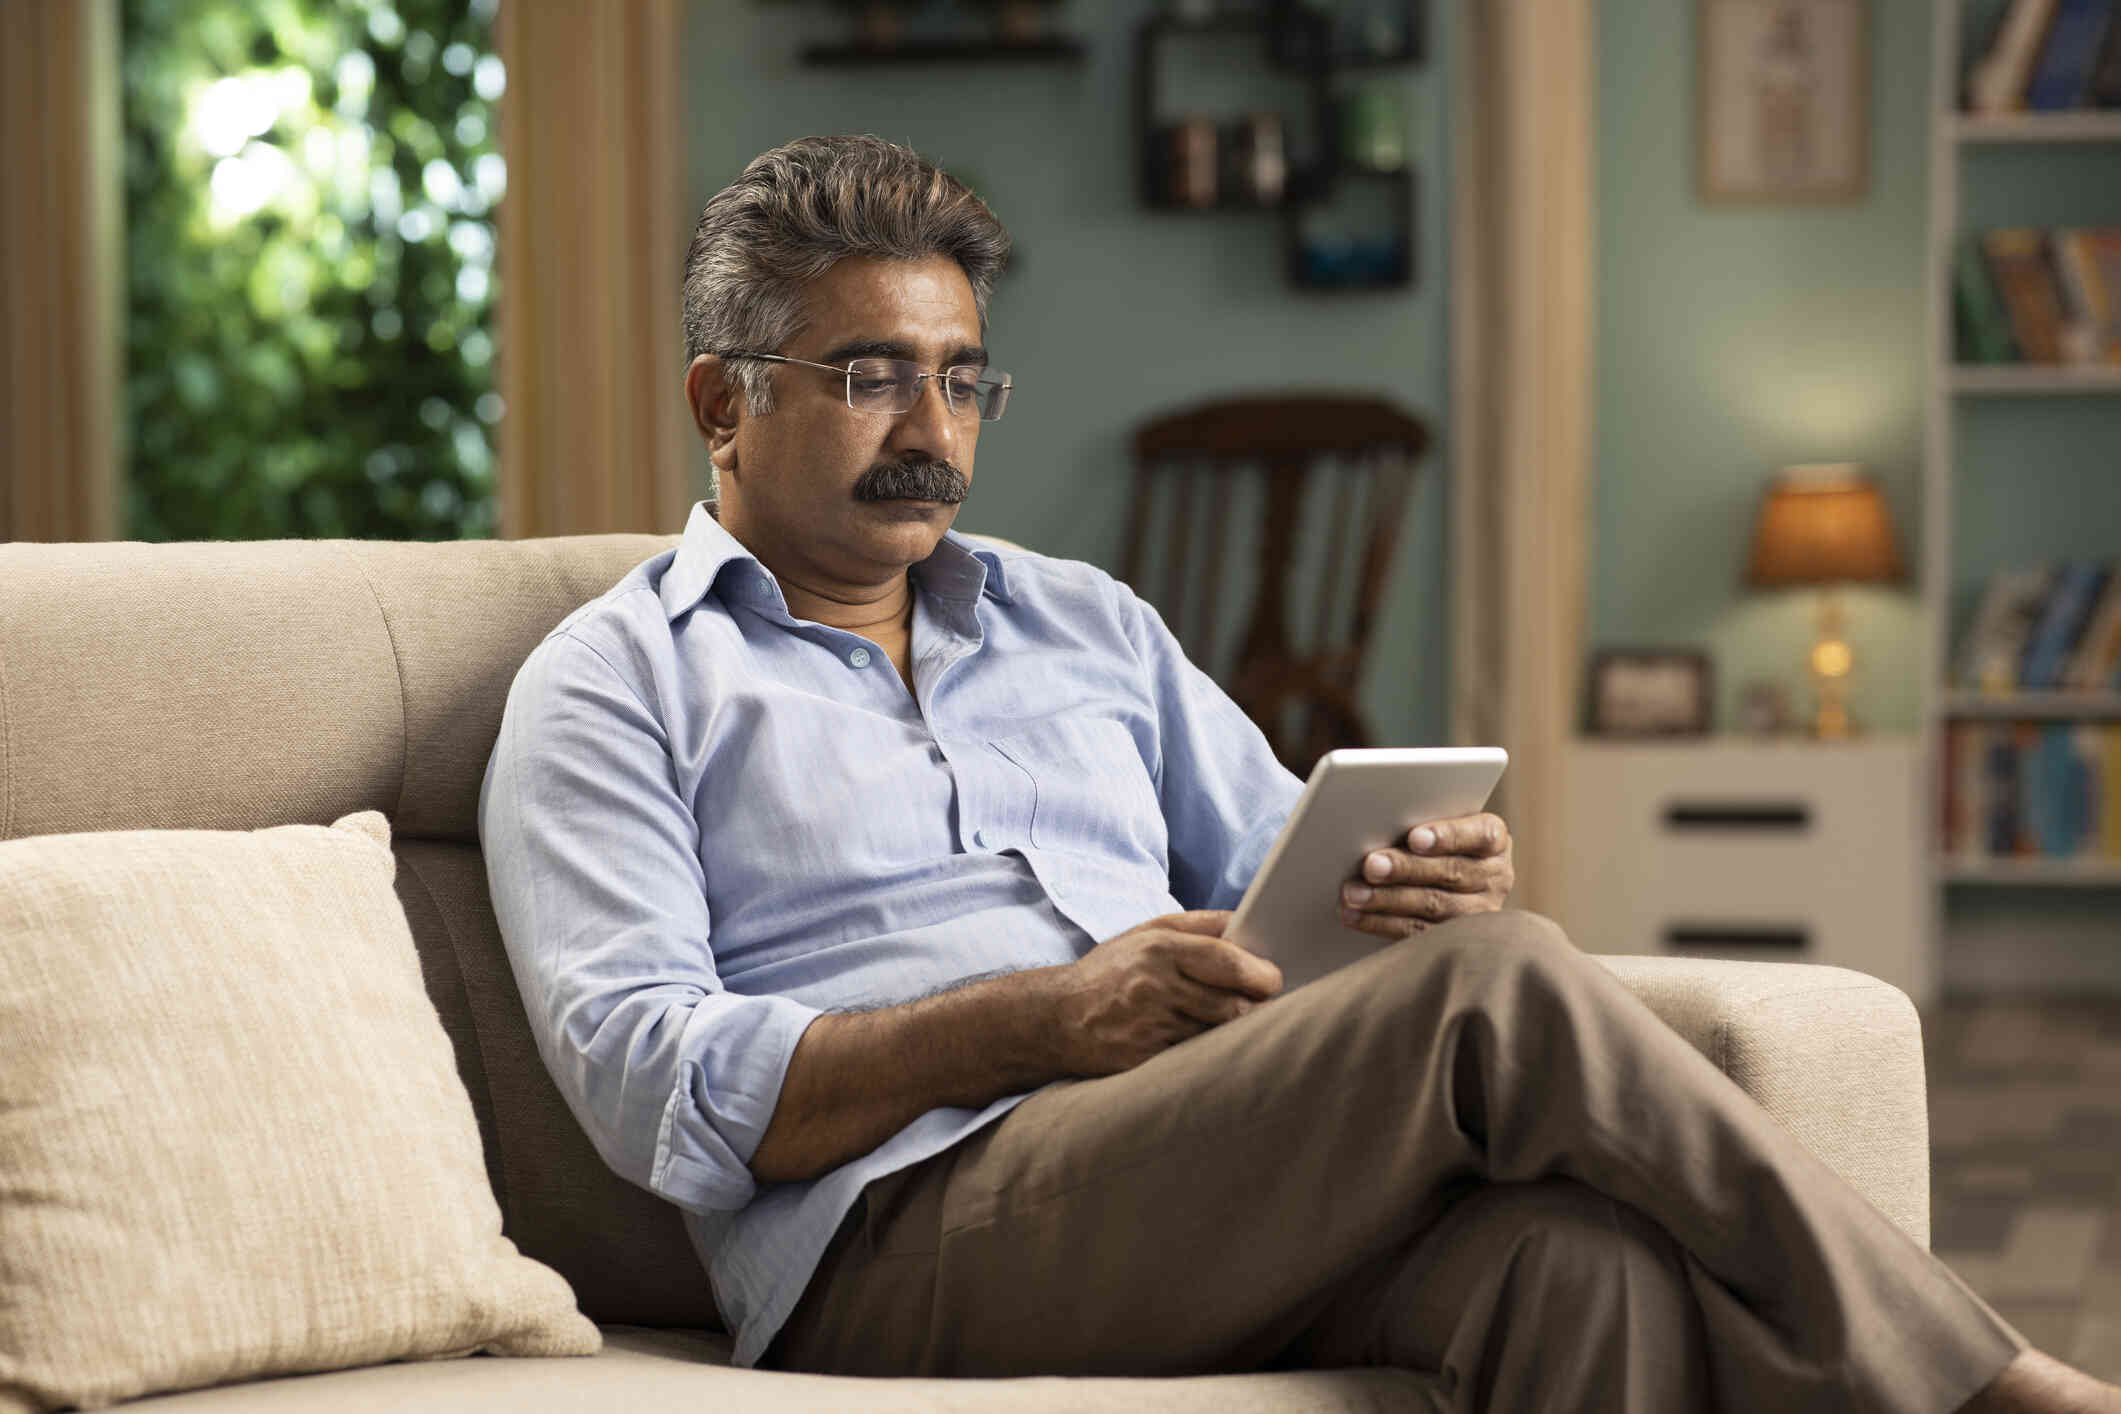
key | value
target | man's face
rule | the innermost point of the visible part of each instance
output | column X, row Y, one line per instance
column 803, row 479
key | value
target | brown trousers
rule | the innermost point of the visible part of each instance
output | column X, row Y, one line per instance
column 1475, row 1154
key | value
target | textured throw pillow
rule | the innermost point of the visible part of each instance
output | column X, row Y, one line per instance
column 233, row 1142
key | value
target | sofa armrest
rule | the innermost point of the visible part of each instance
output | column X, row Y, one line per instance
column 1834, row 1055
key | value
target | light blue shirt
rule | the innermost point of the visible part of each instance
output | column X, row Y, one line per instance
column 707, row 822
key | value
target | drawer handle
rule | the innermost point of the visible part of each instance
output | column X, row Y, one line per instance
column 1738, row 815
column 1714, row 935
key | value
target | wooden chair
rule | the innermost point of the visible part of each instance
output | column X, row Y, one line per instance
column 1356, row 458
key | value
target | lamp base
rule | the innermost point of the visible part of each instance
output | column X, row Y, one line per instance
column 1830, row 664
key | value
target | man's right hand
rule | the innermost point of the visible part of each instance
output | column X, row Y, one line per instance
column 1153, row 986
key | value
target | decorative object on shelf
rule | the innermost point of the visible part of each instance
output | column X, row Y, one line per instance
column 1348, row 34
column 1337, row 170
column 1763, row 708
column 1784, row 100
column 880, row 25
column 1373, row 129
column 1018, row 21
column 1359, row 236
column 1261, row 159
column 1651, row 692
column 1824, row 526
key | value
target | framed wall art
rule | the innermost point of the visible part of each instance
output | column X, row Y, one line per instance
column 1783, row 103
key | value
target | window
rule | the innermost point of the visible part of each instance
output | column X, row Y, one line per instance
column 310, row 189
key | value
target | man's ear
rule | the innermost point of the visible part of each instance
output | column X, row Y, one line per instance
column 716, row 408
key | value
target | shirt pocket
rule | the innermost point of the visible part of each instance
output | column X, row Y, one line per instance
column 1091, row 792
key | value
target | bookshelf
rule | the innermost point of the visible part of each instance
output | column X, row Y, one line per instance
column 2000, row 905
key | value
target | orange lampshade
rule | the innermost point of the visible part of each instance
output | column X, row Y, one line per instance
column 1823, row 525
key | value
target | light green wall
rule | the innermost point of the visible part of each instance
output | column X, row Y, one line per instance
column 1116, row 313
column 1734, row 339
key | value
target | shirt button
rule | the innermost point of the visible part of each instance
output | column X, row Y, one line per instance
column 859, row 658
column 979, row 837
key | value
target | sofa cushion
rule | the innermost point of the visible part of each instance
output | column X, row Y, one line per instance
column 232, row 1141
column 663, row 1369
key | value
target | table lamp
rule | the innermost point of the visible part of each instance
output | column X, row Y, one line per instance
column 1825, row 526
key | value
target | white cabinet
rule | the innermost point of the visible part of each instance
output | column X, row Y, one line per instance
column 1781, row 851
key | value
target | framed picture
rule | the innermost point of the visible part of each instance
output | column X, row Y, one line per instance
column 1783, row 99
column 1651, row 692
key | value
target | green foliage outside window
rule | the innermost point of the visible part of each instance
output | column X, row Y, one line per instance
column 309, row 190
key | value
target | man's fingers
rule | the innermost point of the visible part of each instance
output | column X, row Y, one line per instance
column 1210, row 1006
column 1432, row 904
column 1477, row 835
column 1209, row 922
column 1230, row 968
column 1455, row 872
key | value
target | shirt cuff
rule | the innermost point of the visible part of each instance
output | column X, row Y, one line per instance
column 738, row 1049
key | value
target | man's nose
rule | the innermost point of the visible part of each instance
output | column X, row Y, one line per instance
column 928, row 425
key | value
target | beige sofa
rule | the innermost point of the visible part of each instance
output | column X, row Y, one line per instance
column 240, row 685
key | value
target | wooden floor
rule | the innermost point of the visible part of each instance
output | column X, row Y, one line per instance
column 2025, row 1141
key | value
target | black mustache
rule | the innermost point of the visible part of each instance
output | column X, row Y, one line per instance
column 914, row 479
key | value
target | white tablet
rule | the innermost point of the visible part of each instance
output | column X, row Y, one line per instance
column 1355, row 801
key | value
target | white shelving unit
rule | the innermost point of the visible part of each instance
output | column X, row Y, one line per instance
column 1952, row 134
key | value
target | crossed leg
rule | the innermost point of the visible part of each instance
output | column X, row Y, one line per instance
column 1241, row 1200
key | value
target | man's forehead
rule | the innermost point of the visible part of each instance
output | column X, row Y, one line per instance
column 908, row 304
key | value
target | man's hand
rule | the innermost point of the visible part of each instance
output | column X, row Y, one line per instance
column 1153, row 986
column 1448, row 868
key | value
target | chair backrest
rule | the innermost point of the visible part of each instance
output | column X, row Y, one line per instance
column 1262, row 465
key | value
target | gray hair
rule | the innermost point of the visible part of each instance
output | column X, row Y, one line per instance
column 795, row 213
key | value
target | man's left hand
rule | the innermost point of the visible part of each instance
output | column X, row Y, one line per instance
column 1448, row 868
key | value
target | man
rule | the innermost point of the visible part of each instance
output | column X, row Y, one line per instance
column 865, row 887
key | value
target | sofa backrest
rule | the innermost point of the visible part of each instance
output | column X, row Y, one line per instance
column 236, row 685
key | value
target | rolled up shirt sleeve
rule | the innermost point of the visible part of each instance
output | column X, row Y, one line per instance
column 593, row 861
column 1223, row 792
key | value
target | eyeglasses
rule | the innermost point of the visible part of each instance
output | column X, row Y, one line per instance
column 893, row 385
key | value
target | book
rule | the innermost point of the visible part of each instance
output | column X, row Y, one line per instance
column 2061, row 786
column 1983, row 325
column 2026, row 738
column 1995, row 640
column 2104, row 90
column 1999, row 80
column 1981, row 24
column 2084, row 312
column 2110, row 790
column 1999, row 824
column 2018, row 260
column 2062, row 76
column 2098, row 650
column 1970, row 819
column 2047, row 649
column 2100, row 252
column 2089, row 742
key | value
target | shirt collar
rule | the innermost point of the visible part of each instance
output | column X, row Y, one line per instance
column 959, row 568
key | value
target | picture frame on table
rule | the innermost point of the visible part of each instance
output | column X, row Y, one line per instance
column 1783, row 96
column 1651, row 692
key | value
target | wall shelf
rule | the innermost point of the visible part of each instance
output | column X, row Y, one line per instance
column 1185, row 160
column 2083, row 125
column 2034, row 379
column 859, row 56
column 2079, row 873
column 2024, row 706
